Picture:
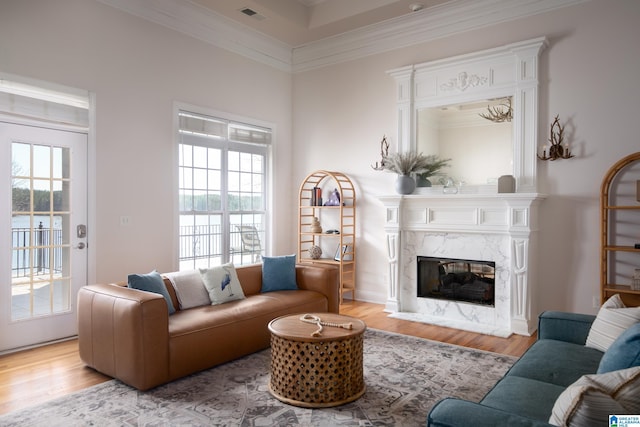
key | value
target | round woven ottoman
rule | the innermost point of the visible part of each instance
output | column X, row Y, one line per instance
column 316, row 371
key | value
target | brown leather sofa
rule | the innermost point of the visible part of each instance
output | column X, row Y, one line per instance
column 127, row 334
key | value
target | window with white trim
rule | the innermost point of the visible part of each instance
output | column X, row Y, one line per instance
column 222, row 170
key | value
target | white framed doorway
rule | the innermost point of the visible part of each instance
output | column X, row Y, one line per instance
column 43, row 183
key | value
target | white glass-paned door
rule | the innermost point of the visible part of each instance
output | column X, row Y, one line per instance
column 44, row 183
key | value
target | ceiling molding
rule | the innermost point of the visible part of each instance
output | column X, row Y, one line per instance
column 414, row 28
column 420, row 27
column 211, row 27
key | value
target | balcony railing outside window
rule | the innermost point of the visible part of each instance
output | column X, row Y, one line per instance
column 201, row 246
column 44, row 250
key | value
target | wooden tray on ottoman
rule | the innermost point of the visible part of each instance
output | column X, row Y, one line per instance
column 316, row 371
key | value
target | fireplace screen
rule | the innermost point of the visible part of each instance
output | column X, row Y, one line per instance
column 457, row 279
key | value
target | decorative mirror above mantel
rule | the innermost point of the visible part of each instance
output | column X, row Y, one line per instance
column 429, row 93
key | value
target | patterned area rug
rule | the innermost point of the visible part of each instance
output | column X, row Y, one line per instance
column 405, row 377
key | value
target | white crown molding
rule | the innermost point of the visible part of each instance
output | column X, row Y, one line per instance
column 205, row 25
column 420, row 27
column 429, row 24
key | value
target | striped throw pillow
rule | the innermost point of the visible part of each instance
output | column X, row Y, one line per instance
column 590, row 400
column 612, row 320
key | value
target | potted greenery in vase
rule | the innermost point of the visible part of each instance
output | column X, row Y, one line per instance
column 409, row 163
column 436, row 164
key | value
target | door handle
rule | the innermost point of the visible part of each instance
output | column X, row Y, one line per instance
column 81, row 245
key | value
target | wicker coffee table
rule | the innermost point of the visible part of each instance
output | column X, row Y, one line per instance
column 316, row 371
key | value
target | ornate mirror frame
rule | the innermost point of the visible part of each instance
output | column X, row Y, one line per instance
column 510, row 70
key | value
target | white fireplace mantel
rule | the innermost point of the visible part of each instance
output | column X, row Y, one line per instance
column 495, row 227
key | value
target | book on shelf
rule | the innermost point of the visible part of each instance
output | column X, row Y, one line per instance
column 316, row 196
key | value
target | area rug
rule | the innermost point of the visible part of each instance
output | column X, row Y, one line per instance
column 404, row 376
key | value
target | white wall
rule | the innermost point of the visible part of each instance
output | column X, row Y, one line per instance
column 588, row 76
column 137, row 71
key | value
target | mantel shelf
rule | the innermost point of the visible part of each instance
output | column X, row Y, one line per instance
column 465, row 196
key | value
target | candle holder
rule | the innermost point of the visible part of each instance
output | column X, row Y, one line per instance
column 384, row 152
column 556, row 137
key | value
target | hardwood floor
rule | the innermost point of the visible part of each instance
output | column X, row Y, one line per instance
column 37, row 375
column 40, row 374
column 374, row 316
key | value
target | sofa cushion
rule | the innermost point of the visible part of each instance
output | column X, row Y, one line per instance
column 151, row 282
column 205, row 336
column 279, row 273
column 591, row 399
column 623, row 353
column 309, row 302
column 190, row 289
column 270, row 305
column 556, row 362
column 222, row 283
column 612, row 320
column 523, row 396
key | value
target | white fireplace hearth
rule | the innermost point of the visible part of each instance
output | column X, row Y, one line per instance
column 491, row 227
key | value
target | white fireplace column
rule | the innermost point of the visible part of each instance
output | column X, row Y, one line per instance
column 502, row 227
column 392, row 229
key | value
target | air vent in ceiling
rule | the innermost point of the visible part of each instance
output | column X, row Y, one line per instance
column 252, row 13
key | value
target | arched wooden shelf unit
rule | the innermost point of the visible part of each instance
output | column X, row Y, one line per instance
column 620, row 221
column 338, row 248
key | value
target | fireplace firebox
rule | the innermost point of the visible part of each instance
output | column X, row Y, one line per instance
column 454, row 279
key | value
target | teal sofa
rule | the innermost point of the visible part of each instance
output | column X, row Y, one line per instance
column 525, row 396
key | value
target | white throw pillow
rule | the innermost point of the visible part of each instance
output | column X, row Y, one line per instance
column 222, row 283
column 189, row 288
column 612, row 320
column 590, row 400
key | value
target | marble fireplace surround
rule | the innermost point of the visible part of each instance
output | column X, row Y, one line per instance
column 490, row 227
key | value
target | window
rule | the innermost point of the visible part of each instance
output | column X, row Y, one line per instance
column 222, row 190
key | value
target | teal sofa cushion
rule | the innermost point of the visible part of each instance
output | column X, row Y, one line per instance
column 557, row 362
column 452, row 412
column 623, row 353
column 523, row 396
column 151, row 282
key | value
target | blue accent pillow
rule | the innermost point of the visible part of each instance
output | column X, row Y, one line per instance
column 623, row 353
column 151, row 282
column 279, row 273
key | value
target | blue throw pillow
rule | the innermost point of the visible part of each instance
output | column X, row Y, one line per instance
column 151, row 282
column 279, row 273
column 623, row 353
